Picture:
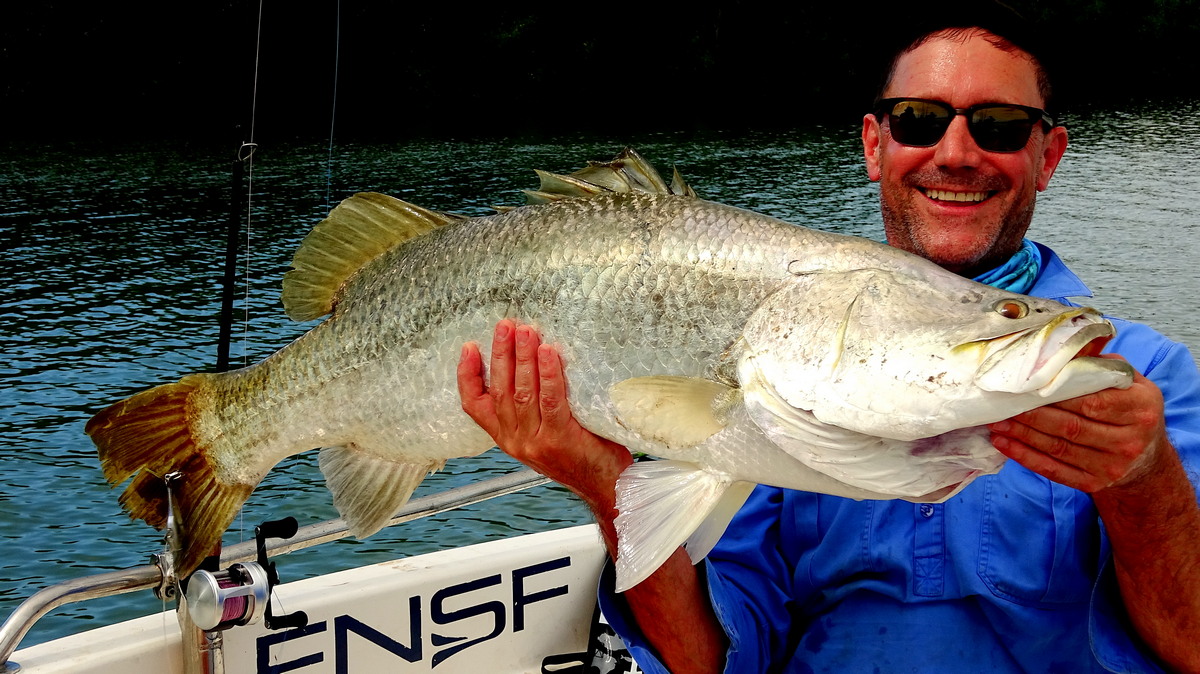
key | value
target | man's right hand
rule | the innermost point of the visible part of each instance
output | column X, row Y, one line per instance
column 524, row 408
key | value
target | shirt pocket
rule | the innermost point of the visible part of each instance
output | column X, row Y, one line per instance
column 1039, row 541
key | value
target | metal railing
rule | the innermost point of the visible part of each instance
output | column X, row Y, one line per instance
column 113, row 583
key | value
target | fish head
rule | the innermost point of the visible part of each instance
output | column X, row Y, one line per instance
column 915, row 351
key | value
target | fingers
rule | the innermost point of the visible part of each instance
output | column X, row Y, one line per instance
column 502, row 366
column 523, row 406
column 508, row 405
column 1133, row 405
column 476, row 401
column 1044, row 454
column 1061, row 432
column 552, row 385
column 1091, row 442
column 1115, row 421
column 1087, row 469
column 526, row 378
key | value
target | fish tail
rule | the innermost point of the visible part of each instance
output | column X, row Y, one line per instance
column 149, row 436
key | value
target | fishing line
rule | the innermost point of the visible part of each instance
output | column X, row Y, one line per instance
column 246, row 158
column 249, row 147
column 337, row 53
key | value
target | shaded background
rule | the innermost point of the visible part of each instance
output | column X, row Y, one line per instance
column 186, row 69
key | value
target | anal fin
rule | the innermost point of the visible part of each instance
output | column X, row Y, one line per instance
column 705, row 538
column 661, row 504
column 368, row 489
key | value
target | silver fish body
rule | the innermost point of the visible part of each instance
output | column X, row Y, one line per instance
column 741, row 348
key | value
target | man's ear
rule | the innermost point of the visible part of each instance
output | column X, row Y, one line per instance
column 872, row 136
column 1053, row 147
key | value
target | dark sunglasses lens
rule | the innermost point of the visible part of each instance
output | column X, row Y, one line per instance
column 1001, row 128
column 919, row 123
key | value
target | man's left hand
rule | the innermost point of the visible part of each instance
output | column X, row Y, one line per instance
column 1105, row 439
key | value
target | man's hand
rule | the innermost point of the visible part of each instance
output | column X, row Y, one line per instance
column 1113, row 444
column 524, row 408
column 1107, row 439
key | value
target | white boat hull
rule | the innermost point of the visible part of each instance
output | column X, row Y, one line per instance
column 500, row 606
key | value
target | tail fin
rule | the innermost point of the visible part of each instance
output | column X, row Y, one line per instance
column 149, row 435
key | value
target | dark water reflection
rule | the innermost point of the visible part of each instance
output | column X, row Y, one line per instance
column 112, row 260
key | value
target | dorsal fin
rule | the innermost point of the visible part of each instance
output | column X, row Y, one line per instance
column 627, row 172
column 357, row 231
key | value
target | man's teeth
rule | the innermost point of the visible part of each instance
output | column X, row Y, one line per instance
column 947, row 195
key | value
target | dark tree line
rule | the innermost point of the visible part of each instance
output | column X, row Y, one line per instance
column 187, row 69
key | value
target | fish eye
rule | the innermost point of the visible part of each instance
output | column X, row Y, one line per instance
column 1012, row 308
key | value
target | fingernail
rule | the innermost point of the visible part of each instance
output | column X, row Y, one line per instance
column 502, row 330
column 1001, row 426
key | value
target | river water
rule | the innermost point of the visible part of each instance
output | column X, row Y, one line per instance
column 113, row 255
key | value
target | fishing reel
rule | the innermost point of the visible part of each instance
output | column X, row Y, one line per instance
column 241, row 594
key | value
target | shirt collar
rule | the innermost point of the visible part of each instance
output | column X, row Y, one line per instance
column 1056, row 281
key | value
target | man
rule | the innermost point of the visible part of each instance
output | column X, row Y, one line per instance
column 1082, row 554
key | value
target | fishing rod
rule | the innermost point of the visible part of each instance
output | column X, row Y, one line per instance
column 242, row 171
column 203, row 651
column 213, row 599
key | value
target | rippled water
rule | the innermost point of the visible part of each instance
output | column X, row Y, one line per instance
column 113, row 256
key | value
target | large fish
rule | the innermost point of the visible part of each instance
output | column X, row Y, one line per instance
column 740, row 348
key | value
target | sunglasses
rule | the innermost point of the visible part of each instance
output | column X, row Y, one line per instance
column 996, row 127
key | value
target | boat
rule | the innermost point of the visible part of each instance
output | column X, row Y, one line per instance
column 520, row 604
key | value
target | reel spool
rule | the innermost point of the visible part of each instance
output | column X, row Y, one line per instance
column 235, row 596
column 241, row 594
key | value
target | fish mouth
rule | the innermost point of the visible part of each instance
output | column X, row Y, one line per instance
column 1058, row 360
column 967, row 197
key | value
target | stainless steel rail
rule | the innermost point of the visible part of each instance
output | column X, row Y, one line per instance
column 132, row 579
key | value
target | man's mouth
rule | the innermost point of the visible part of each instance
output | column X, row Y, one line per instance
column 959, row 197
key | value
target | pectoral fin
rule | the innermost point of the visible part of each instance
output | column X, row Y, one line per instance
column 661, row 505
column 676, row 411
column 367, row 488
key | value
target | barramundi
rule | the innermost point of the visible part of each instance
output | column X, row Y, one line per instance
column 735, row 347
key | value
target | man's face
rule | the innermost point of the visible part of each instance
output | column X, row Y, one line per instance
column 962, row 207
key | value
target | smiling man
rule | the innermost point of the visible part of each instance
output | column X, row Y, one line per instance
column 1081, row 555
column 943, row 196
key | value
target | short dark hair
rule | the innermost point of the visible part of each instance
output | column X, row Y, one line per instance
column 1004, row 28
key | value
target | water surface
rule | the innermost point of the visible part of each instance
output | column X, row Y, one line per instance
column 113, row 255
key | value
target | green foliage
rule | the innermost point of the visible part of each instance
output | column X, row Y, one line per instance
column 408, row 68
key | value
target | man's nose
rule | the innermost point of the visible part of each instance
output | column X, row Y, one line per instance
column 957, row 149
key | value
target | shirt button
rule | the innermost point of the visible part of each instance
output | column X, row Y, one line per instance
column 926, row 510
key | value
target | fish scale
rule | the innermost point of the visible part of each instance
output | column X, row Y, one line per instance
column 704, row 334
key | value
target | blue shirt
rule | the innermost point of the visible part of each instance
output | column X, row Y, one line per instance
column 1013, row 574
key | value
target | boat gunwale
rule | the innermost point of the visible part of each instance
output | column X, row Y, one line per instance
column 132, row 579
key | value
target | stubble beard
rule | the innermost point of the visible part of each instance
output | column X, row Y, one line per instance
column 902, row 226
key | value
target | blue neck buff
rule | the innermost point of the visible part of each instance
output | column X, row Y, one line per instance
column 1018, row 274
